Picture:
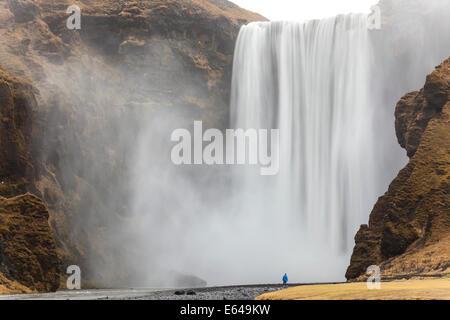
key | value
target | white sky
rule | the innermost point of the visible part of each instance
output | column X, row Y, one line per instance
column 301, row 10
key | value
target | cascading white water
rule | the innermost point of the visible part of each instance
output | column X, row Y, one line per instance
column 310, row 80
column 230, row 225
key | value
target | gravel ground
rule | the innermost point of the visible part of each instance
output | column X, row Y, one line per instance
column 244, row 292
column 218, row 293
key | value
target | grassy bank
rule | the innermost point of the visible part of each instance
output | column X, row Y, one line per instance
column 393, row 290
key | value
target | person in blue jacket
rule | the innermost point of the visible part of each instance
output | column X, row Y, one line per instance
column 285, row 280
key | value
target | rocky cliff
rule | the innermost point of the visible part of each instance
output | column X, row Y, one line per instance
column 28, row 258
column 17, row 107
column 409, row 228
column 75, row 100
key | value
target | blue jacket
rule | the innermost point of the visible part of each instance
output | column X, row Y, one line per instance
column 285, row 278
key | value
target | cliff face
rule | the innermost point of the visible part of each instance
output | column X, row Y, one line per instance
column 28, row 258
column 409, row 228
column 17, row 105
column 68, row 131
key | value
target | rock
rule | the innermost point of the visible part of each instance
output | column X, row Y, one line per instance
column 412, row 220
column 179, row 293
column 17, row 106
column 28, row 252
column 24, row 10
column 191, row 293
column 416, row 109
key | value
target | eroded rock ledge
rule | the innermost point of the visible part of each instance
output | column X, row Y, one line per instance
column 28, row 259
column 409, row 228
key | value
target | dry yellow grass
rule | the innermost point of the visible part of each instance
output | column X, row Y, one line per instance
column 433, row 259
column 394, row 290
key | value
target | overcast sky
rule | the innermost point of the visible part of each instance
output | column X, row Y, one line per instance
column 301, row 10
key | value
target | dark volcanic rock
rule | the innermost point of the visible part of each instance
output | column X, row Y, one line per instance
column 409, row 227
column 179, row 292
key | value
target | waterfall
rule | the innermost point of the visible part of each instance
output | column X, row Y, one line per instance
column 310, row 80
column 230, row 224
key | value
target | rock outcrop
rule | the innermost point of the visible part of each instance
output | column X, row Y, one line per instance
column 409, row 228
column 28, row 258
column 17, row 106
